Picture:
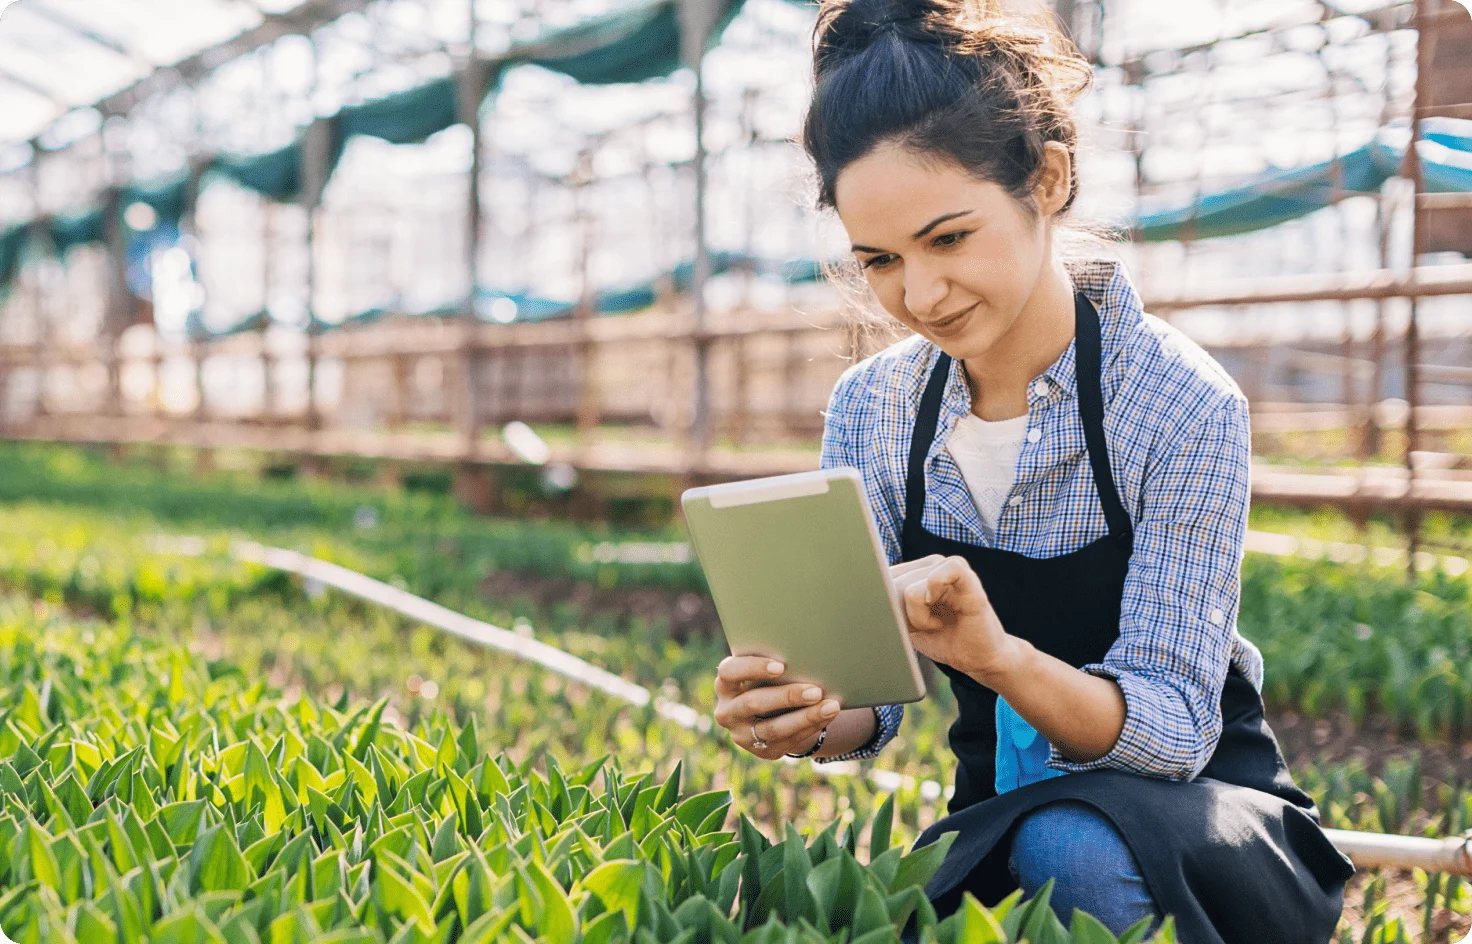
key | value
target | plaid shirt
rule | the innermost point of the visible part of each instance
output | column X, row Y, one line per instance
column 1179, row 443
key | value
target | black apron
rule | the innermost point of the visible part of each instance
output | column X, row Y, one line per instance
column 1237, row 854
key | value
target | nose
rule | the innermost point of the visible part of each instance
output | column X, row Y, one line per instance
column 925, row 288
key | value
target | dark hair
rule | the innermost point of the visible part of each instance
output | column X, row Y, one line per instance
column 955, row 80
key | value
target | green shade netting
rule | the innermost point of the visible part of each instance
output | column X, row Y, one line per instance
column 75, row 229
column 275, row 175
column 632, row 44
column 168, row 196
column 12, row 243
column 1276, row 196
column 639, row 296
column 642, row 41
column 404, row 117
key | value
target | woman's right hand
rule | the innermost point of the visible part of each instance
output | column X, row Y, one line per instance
column 745, row 696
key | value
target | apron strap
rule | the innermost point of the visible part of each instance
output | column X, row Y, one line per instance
column 920, row 440
column 1088, row 364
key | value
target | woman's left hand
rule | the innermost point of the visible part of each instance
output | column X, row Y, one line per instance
column 951, row 619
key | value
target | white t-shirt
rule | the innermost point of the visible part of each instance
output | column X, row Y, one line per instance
column 986, row 453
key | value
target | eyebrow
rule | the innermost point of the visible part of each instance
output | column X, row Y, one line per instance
column 919, row 234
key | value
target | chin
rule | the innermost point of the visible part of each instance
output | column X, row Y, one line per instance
column 967, row 346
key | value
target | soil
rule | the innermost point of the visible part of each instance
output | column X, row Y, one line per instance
column 687, row 613
column 1335, row 740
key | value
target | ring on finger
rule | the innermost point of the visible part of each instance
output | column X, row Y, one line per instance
column 756, row 739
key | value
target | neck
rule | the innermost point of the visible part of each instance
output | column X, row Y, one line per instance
column 1042, row 332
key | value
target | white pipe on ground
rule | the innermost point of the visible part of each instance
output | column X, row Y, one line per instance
column 1375, row 850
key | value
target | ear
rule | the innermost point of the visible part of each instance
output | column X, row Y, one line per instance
column 1051, row 191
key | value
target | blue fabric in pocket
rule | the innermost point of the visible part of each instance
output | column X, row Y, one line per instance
column 1022, row 756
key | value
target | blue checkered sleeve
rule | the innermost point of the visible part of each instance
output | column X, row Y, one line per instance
column 835, row 454
column 1179, row 609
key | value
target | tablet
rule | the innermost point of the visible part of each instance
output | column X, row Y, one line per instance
column 797, row 573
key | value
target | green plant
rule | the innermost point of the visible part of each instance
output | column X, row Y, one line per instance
column 150, row 796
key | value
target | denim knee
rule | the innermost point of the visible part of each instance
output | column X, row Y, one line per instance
column 1091, row 865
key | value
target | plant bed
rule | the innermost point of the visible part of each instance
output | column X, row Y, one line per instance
column 149, row 796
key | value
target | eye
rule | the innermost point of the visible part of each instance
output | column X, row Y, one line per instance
column 951, row 239
column 877, row 262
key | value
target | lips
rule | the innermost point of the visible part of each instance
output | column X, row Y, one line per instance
column 950, row 321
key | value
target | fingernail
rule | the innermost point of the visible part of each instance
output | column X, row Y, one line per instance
column 829, row 709
column 774, row 667
column 927, row 594
column 811, row 694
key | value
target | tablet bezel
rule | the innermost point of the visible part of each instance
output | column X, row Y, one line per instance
column 909, row 688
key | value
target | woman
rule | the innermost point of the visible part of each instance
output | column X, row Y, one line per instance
column 1061, row 483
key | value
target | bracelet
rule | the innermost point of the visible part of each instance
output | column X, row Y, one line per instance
column 814, row 749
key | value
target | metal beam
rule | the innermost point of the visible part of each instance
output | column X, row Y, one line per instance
column 30, row 86
column 300, row 21
column 56, row 17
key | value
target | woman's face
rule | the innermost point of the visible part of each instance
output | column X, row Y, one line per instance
column 953, row 257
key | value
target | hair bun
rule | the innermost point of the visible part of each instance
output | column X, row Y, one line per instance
column 847, row 27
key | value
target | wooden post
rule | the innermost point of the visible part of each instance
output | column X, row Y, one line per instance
column 741, row 389
column 586, row 354
column 1425, row 50
column 471, row 88
column 316, row 157
column 473, row 483
column 268, row 363
column 791, row 382
column 697, row 20
column 1369, row 445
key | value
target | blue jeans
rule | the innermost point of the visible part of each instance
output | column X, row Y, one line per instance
column 1093, row 869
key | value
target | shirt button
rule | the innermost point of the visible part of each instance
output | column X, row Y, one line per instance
column 1217, row 617
column 1034, row 435
column 1015, row 500
column 1041, row 388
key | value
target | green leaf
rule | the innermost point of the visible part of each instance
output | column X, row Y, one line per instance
column 670, row 792
column 558, row 925
column 871, row 914
column 94, row 927
column 920, row 865
column 1087, row 929
column 617, row 884
column 835, row 886
column 879, row 831
column 260, row 787
column 370, row 732
column 798, row 901
column 445, row 843
column 215, row 863
column 181, row 821
column 488, row 927
column 43, row 860
column 977, row 926
column 609, row 927
column 695, row 810
column 397, row 896
column 1038, row 922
